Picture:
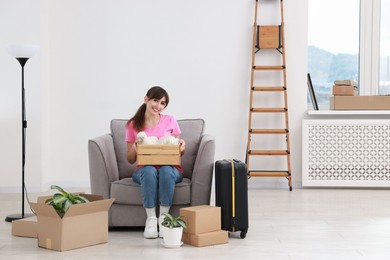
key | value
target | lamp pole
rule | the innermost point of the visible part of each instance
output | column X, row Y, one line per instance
column 22, row 53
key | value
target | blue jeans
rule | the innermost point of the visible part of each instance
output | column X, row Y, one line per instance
column 155, row 182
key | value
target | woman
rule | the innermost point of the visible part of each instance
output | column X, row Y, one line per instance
column 157, row 182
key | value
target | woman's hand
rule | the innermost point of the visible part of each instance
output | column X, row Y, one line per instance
column 182, row 145
column 132, row 152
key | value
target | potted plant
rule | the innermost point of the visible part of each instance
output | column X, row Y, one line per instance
column 173, row 230
column 63, row 200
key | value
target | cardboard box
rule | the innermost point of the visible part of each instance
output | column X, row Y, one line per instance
column 150, row 154
column 345, row 82
column 345, row 90
column 26, row 227
column 201, row 219
column 82, row 225
column 206, row 239
column 360, row 102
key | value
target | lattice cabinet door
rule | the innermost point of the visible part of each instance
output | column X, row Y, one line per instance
column 346, row 153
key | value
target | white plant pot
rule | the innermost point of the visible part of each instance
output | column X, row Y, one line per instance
column 172, row 237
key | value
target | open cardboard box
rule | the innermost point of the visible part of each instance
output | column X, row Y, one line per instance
column 82, row 225
column 156, row 154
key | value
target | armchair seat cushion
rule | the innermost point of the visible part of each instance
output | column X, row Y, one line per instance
column 128, row 192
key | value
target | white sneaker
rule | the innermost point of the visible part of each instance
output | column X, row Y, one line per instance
column 161, row 227
column 151, row 228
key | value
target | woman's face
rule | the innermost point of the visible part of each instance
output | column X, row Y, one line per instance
column 154, row 106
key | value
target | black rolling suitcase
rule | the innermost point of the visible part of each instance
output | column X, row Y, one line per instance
column 231, row 194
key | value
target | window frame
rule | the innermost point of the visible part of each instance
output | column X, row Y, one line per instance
column 369, row 51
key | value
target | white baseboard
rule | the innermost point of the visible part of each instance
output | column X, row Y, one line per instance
column 69, row 186
column 271, row 183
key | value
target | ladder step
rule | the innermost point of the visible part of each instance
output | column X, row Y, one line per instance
column 268, row 131
column 267, row 110
column 268, row 88
column 278, row 67
column 268, row 152
column 269, row 173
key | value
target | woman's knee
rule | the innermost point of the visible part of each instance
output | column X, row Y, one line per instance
column 170, row 173
column 148, row 174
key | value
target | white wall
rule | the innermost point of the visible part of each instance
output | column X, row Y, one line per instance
column 21, row 22
column 97, row 60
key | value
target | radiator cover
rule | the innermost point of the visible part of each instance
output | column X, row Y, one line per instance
column 346, row 153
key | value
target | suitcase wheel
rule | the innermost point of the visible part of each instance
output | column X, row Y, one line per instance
column 243, row 234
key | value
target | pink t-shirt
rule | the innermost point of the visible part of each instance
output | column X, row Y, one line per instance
column 166, row 126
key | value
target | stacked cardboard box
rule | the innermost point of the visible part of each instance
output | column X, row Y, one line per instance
column 345, row 97
column 25, row 227
column 203, row 226
column 360, row 102
column 345, row 88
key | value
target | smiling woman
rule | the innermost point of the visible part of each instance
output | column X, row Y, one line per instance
column 157, row 181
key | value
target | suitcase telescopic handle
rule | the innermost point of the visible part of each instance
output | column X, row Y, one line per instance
column 233, row 193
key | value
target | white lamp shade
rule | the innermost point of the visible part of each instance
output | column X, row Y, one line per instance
column 23, row 50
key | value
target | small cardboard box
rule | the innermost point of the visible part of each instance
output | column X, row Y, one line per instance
column 360, row 102
column 82, row 225
column 201, row 219
column 151, row 154
column 26, row 227
column 344, row 90
column 206, row 239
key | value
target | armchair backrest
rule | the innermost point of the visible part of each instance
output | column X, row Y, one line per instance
column 192, row 131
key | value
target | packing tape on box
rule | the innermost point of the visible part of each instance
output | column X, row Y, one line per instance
column 48, row 243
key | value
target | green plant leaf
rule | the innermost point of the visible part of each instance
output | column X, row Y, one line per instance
column 59, row 200
column 182, row 223
column 66, row 206
column 55, row 187
column 171, row 222
column 57, row 196
column 63, row 200
column 82, row 199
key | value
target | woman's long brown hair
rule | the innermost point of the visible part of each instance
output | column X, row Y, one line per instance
column 138, row 119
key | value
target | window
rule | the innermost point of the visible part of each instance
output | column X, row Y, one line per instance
column 333, row 49
column 349, row 39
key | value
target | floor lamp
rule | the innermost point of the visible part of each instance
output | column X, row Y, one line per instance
column 22, row 53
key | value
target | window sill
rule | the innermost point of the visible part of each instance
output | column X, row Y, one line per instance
column 347, row 112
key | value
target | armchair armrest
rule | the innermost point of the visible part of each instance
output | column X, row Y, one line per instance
column 103, row 168
column 202, row 174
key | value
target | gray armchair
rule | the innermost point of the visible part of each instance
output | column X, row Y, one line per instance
column 110, row 172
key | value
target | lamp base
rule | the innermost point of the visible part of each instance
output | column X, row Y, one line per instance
column 13, row 217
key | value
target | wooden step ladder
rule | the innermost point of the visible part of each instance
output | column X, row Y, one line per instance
column 269, row 37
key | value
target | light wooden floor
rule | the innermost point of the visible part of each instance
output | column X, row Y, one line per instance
column 302, row 224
